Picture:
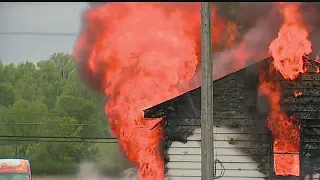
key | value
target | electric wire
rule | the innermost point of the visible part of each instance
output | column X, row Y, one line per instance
column 223, row 169
column 55, row 141
column 37, row 34
column 48, row 123
column 216, row 159
column 60, row 137
column 4, row 138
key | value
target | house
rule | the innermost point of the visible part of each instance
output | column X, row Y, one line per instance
column 243, row 142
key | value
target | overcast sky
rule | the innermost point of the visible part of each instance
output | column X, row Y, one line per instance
column 41, row 17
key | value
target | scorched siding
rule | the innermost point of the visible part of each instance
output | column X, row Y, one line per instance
column 184, row 159
column 243, row 143
column 307, row 108
column 242, row 139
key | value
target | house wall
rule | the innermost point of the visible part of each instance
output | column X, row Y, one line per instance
column 242, row 139
column 307, row 108
column 241, row 132
column 184, row 159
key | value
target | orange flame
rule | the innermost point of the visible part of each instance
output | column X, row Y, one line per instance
column 232, row 32
column 297, row 93
column 139, row 52
column 291, row 44
column 288, row 50
column 285, row 132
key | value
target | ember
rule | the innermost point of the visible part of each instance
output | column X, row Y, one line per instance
column 288, row 50
column 297, row 93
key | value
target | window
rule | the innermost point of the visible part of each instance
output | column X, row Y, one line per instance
column 286, row 159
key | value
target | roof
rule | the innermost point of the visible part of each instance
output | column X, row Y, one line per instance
column 159, row 110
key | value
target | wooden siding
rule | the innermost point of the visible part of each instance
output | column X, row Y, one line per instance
column 242, row 139
column 184, row 159
column 308, row 104
column 238, row 108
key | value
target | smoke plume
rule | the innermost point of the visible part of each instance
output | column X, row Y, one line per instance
column 260, row 23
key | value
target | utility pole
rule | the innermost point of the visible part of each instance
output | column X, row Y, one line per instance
column 207, row 156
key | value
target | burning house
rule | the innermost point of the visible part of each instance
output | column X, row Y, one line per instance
column 266, row 115
column 245, row 147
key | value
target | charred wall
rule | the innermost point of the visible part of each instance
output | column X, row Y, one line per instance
column 306, row 108
column 235, row 108
column 238, row 107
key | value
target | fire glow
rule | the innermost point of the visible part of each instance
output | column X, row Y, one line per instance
column 140, row 51
column 287, row 50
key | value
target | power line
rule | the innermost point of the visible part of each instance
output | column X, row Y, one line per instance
column 50, row 141
column 60, row 137
column 37, row 34
column 50, row 123
column 31, row 114
column 37, row 114
column 68, row 139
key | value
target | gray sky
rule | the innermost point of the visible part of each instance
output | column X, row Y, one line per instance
column 47, row 17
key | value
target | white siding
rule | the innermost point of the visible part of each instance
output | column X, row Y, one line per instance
column 185, row 159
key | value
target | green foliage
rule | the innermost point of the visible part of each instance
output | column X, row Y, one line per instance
column 1, row 71
column 9, row 74
column 18, row 115
column 7, row 94
column 64, row 63
column 66, row 107
column 48, row 100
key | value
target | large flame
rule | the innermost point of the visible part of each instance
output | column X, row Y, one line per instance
column 285, row 130
column 139, row 52
column 291, row 44
column 287, row 50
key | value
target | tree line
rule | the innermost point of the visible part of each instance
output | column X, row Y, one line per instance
column 48, row 116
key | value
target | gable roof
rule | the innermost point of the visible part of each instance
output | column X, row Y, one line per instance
column 159, row 110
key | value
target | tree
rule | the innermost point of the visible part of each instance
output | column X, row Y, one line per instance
column 9, row 74
column 49, row 100
column 83, row 111
column 27, row 88
column 65, row 156
column 1, row 71
column 50, row 81
column 77, row 107
column 26, row 69
column 64, row 63
column 19, row 120
column 7, row 94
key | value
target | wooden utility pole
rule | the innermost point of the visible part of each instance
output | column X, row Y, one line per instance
column 207, row 157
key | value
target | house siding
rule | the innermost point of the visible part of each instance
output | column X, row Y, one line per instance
column 184, row 159
column 243, row 142
column 307, row 108
column 242, row 139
